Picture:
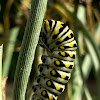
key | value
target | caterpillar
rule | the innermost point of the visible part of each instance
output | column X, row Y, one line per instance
column 57, row 65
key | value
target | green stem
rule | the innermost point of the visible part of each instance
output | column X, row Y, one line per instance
column 9, row 50
column 1, row 51
column 29, row 43
column 78, row 93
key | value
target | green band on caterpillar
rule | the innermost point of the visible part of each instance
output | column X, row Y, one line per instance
column 57, row 65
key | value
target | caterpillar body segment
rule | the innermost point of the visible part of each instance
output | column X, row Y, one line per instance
column 50, row 85
column 57, row 65
column 72, row 44
column 57, row 34
column 59, row 42
column 65, row 55
column 68, row 46
column 57, row 75
column 43, row 93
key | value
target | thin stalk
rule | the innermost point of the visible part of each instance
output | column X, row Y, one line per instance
column 29, row 43
column 96, row 62
column 78, row 92
column 87, row 93
column 1, row 51
column 79, row 61
column 9, row 50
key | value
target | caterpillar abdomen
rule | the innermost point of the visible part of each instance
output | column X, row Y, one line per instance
column 57, row 65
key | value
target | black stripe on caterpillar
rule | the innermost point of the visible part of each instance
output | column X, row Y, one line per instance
column 57, row 65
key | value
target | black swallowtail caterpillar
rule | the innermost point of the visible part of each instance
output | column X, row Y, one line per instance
column 55, row 71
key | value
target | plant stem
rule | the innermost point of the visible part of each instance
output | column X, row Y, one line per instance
column 1, row 51
column 29, row 43
column 9, row 50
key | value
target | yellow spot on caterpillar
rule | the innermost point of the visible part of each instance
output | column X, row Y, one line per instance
column 62, row 23
column 62, row 47
column 75, row 43
column 48, row 29
column 72, row 32
column 69, row 77
column 49, row 83
column 63, row 53
column 71, row 45
column 47, row 23
column 63, row 76
column 67, row 65
column 51, row 98
column 71, row 55
column 60, row 26
column 53, row 72
column 55, row 32
column 69, row 35
column 58, row 62
column 60, row 40
column 43, row 93
column 57, row 88
column 62, row 90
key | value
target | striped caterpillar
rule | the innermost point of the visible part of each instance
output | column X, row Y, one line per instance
column 57, row 65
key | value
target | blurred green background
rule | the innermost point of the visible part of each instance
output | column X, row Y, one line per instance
column 83, row 17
